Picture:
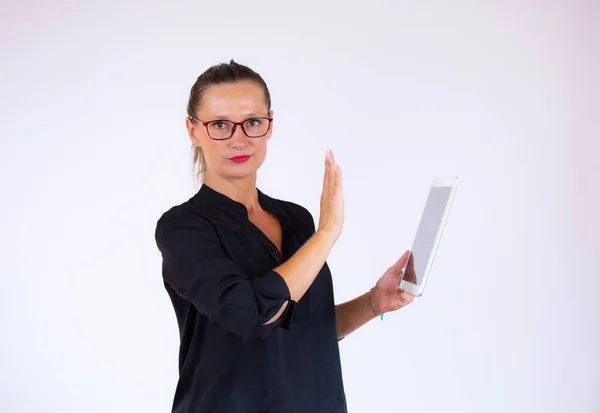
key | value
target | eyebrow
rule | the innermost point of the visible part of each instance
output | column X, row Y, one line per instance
column 247, row 116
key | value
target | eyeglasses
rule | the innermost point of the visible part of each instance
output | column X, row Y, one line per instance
column 221, row 130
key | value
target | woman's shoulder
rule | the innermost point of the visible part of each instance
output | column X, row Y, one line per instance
column 180, row 216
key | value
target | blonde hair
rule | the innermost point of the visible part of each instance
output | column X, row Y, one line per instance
column 199, row 164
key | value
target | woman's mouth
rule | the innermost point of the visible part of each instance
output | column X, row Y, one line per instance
column 240, row 159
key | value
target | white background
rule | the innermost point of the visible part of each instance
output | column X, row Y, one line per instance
column 503, row 94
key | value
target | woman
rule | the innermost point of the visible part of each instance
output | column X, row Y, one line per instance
column 247, row 273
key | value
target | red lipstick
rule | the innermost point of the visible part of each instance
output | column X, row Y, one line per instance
column 240, row 159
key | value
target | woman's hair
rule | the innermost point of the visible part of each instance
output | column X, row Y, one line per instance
column 218, row 74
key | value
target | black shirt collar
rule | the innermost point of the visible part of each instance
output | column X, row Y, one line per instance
column 222, row 201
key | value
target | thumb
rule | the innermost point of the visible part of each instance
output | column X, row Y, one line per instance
column 401, row 263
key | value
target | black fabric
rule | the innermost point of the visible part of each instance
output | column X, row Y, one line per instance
column 218, row 269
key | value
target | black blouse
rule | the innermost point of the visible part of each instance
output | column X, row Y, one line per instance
column 218, row 271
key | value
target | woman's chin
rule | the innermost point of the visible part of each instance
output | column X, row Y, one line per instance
column 240, row 173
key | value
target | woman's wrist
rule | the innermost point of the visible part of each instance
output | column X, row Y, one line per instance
column 326, row 236
column 375, row 312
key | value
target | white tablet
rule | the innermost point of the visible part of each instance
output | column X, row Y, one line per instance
column 428, row 236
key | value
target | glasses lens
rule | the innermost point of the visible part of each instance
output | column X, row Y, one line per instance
column 220, row 129
column 256, row 127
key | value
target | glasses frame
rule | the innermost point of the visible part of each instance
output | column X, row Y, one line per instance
column 235, row 124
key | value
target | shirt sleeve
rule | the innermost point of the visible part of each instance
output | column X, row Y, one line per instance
column 198, row 269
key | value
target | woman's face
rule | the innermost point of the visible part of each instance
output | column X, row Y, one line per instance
column 236, row 102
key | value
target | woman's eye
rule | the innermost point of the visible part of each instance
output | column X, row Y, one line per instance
column 253, row 122
column 218, row 125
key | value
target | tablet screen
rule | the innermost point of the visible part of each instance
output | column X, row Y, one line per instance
column 429, row 227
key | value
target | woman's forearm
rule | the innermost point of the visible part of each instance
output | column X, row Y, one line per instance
column 353, row 314
column 302, row 268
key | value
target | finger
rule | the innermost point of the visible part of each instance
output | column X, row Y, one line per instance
column 336, row 174
column 402, row 298
column 398, row 303
column 325, row 192
column 332, row 157
column 326, row 166
column 331, row 176
column 338, row 180
column 406, row 298
column 401, row 263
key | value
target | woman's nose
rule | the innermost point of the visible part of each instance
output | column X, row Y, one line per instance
column 238, row 138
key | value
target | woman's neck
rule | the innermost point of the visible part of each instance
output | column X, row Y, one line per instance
column 242, row 190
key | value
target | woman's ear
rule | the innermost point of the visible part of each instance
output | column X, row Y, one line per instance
column 192, row 131
column 271, row 113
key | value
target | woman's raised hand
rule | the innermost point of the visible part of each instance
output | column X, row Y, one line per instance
column 331, row 219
